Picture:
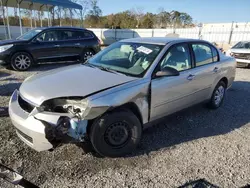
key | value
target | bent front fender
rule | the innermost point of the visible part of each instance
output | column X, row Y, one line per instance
column 137, row 94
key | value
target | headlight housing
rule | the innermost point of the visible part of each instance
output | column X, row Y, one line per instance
column 77, row 107
column 5, row 47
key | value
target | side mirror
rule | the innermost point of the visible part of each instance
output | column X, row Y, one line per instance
column 167, row 71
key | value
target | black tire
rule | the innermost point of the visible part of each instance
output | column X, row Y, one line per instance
column 214, row 102
column 88, row 53
column 16, row 63
column 106, row 133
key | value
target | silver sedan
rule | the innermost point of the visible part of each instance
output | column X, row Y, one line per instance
column 113, row 96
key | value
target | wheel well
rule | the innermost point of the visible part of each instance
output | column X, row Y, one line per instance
column 23, row 52
column 130, row 106
column 90, row 49
column 225, row 80
column 133, row 108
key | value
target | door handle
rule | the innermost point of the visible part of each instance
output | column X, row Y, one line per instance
column 191, row 77
column 216, row 69
column 77, row 44
column 57, row 45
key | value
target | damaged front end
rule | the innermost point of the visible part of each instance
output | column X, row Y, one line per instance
column 63, row 120
column 66, row 119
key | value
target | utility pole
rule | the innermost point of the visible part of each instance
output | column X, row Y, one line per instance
column 231, row 33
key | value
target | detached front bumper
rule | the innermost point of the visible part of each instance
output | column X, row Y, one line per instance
column 37, row 129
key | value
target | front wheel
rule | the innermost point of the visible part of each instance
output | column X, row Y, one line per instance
column 21, row 61
column 218, row 95
column 116, row 133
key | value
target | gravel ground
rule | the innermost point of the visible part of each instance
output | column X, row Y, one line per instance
column 194, row 144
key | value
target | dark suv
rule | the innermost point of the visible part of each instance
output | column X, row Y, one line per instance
column 48, row 45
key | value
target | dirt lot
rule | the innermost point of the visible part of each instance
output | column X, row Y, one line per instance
column 195, row 144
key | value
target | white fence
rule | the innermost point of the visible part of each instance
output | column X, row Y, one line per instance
column 14, row 32
column 223, row 35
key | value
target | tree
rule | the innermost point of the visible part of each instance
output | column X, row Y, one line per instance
column 138, row 13
column 186, row 19
column 85, row 5
column 148, row 20
column 94, row 9
column 180, row 19
column 163, row 18
column 175, row 18
column 93, row 18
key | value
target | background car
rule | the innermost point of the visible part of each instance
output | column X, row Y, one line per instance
column 48, row 45
column 241, row 52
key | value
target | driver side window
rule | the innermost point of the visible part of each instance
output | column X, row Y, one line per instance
column 178, row 57
column 48, row 36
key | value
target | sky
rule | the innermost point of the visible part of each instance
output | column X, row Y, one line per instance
column 202, row 11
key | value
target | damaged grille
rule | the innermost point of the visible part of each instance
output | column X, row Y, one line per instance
column 25, row 136
column 27, row 107
column 242, row 56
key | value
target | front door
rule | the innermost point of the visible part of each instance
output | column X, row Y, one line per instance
column 46, row 46
column 171, row 94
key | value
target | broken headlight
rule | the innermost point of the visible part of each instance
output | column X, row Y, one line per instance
column 77, row 107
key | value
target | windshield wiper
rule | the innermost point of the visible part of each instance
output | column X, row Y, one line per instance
column 107, row 69
column 103, row 68
column 89, row 65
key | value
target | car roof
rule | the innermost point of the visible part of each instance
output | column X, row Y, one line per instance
column 61, row 27
column 160, row 40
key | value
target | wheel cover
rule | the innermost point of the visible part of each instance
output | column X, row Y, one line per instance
column 117, row 134
column 88, row 55
column 22, row 62
column 219, row 95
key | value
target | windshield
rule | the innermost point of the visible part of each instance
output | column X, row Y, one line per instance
column 30, row 34
column 245, row 45
column 132, row 59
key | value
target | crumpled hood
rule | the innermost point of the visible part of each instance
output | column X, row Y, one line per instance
column 71, row 81
column 6, row 42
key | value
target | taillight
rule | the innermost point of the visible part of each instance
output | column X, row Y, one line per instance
column 99, row 41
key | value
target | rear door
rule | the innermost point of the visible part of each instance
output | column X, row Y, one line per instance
column 74, row 43
column 206, row 69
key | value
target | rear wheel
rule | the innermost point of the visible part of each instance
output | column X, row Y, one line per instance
column 87, row 54
column 21, row 61
column 218, row 95
column 116, row 133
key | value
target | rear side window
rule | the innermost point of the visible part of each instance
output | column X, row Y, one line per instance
column 203, row 54
column 83, row 35
column 66, row 35
column 87, row 34
column 215, row 54
column 74, row 35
